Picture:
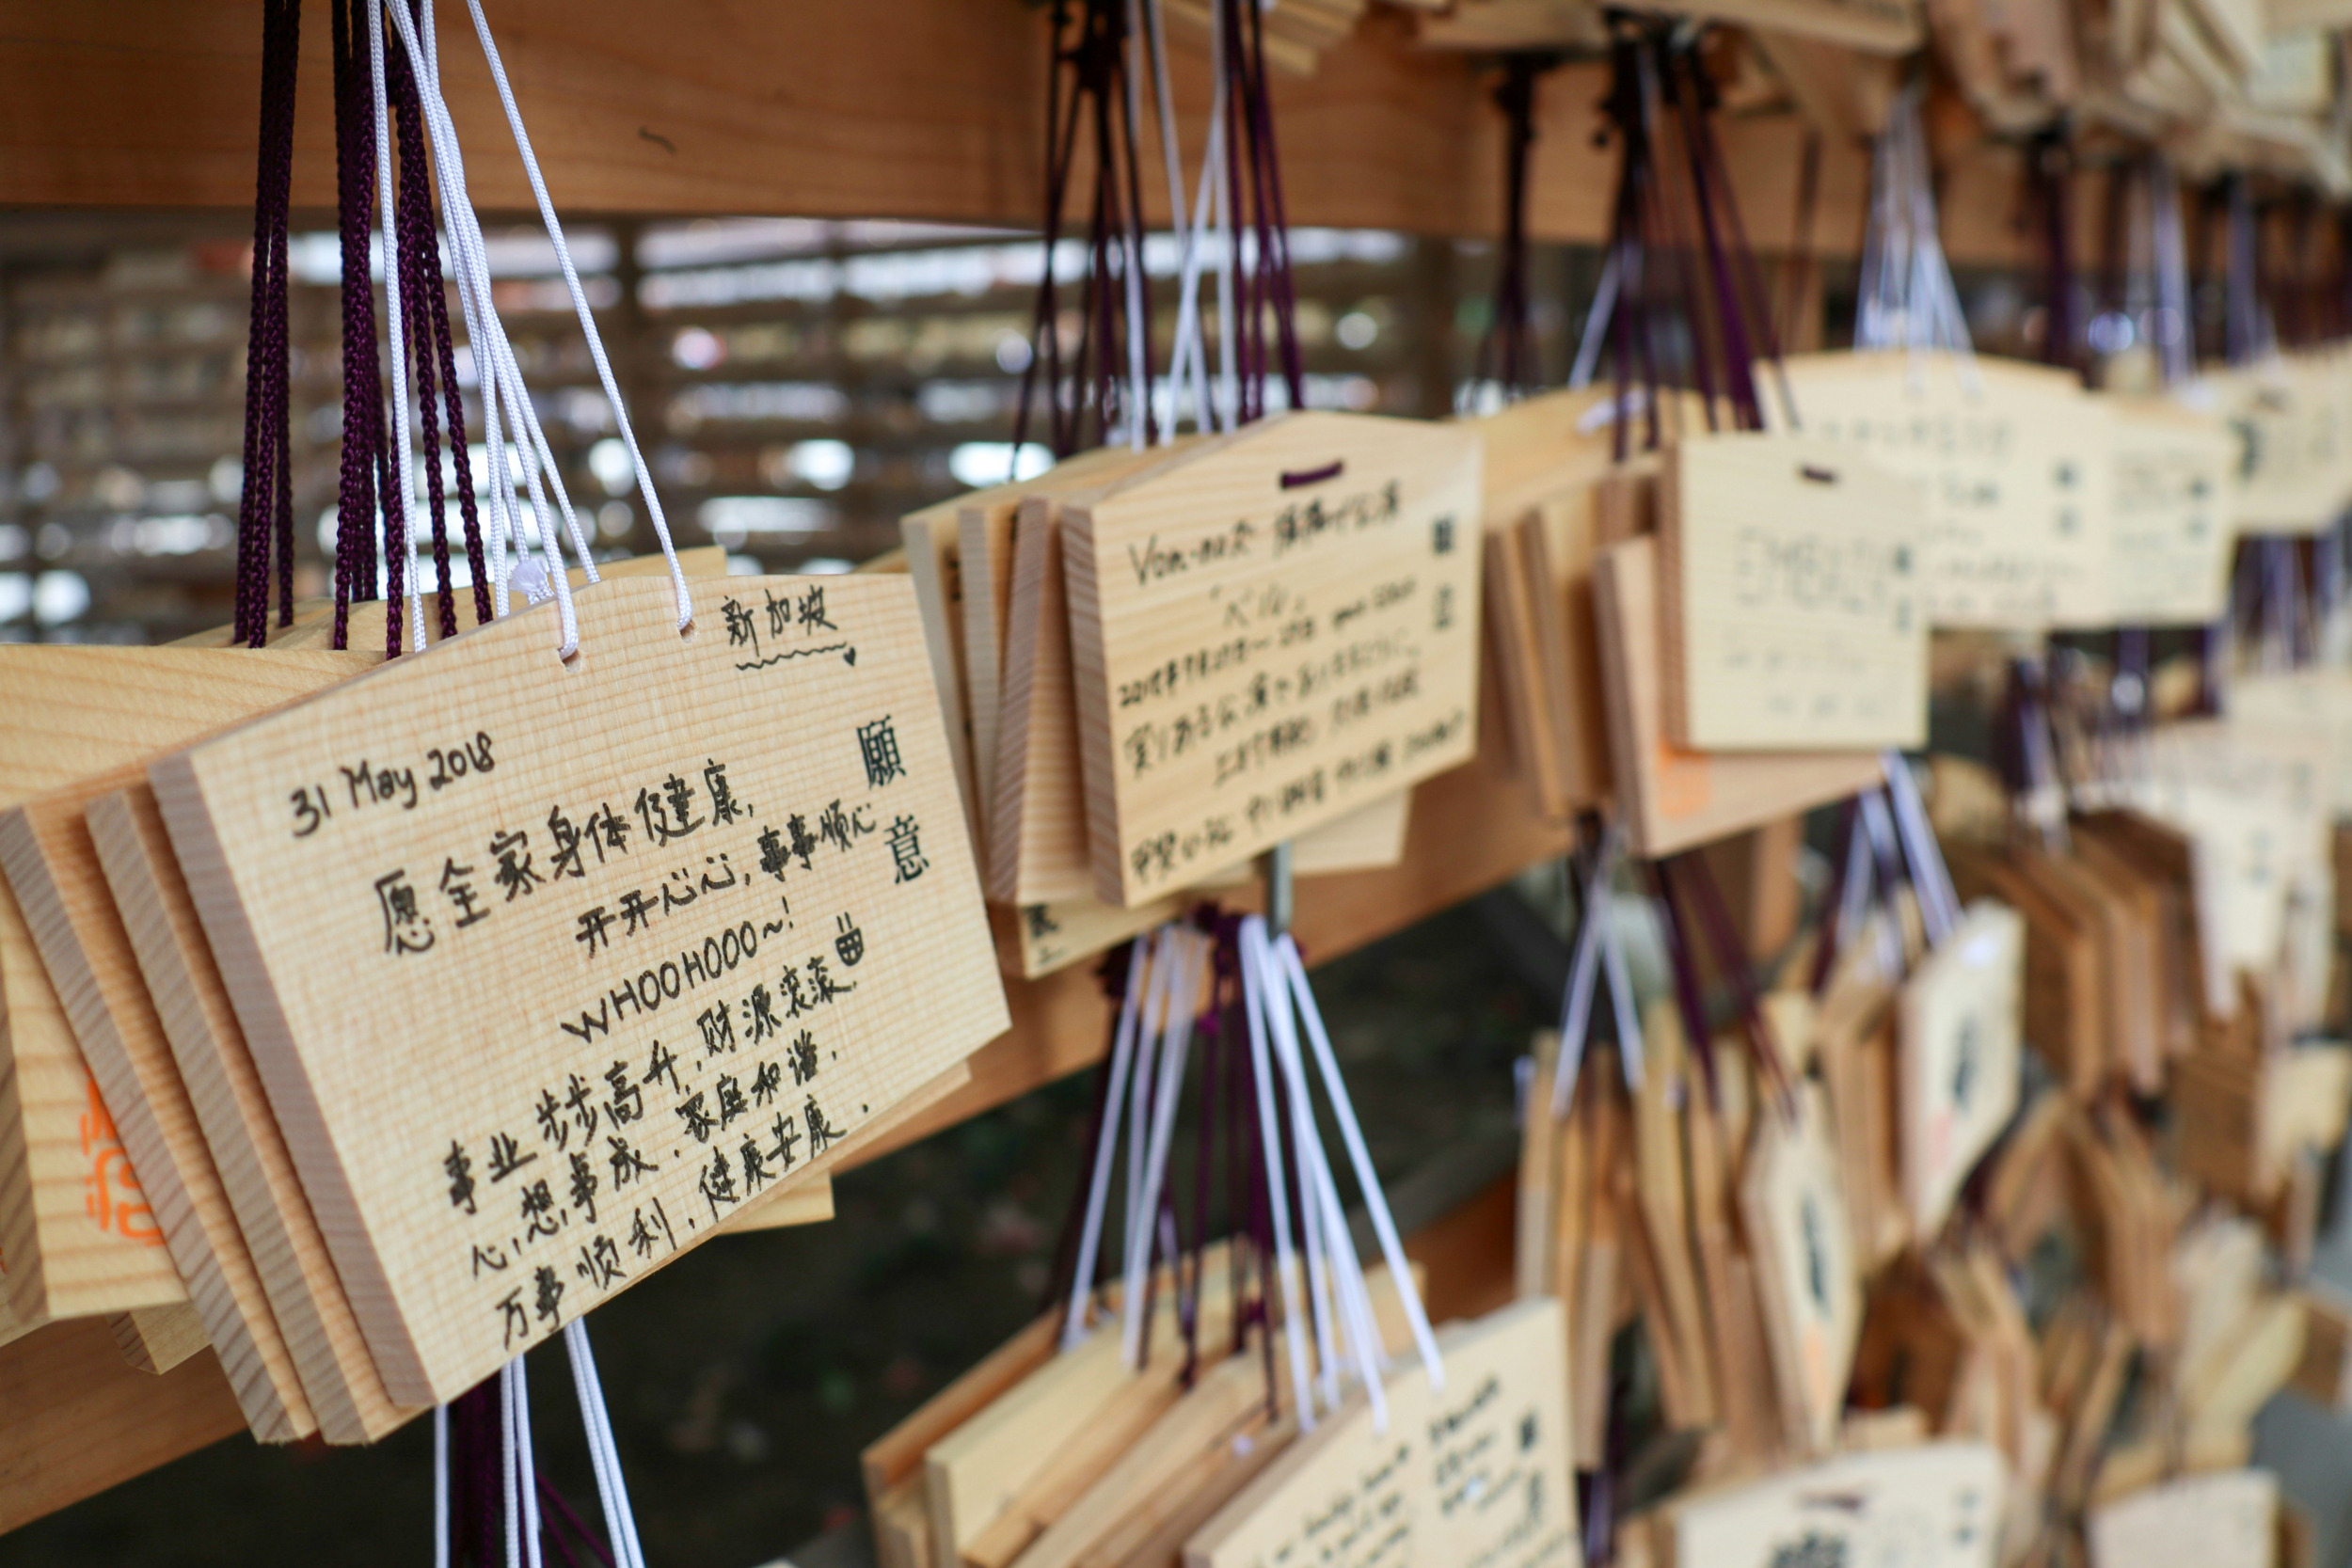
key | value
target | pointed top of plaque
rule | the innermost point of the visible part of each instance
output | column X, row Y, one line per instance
column 1298, row 452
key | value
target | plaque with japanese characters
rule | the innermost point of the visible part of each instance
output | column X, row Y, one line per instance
column 1959, row 1021
column 2285, row 417
column 1474, row 1475
column 1790, row 599
column 2227, row 1520
column 1268, row 634
column 1809, row 1282
column 548, row 968
column 2005, row 464
column 2169, row 537
column 1934, row 1506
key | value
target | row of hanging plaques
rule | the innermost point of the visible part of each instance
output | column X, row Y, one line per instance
column 1297, row 660
column 370, row 1020
column 390, row 1016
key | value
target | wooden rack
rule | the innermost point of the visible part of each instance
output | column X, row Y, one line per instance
column 919, row 109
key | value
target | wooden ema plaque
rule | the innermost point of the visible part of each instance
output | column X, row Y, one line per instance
column 1934, row 1506
column 1958, row 1022
column 1670, row 798
column 2168, row 538
column 1791, row 601
column 79, row 1233
column 240, row 1131
column 2285, row 421
column 1037, row 840
column 1546, row 460
column 1477, row 1474
column 53, row 868
column 1001, row 663
column 984, row 522
column 2303, row 709
column 2255, row 803
column 2005, row 461
column 1277, row 627
column 1809, row 1282
column 548, row 969
column 2215, row 1521
column 934, row 561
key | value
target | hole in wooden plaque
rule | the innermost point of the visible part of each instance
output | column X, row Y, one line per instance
column 686, row 633
column 1819, row 475
column 1298, row 478
column 575, row 662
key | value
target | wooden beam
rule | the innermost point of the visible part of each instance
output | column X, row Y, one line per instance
column 919, row 109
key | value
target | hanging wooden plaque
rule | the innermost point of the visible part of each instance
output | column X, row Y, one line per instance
column 1277, row 627
column 2287, row 477
column 2006, row 464
column 712, row 891
column 2066, row 1008
column 79, row 1233
column 241, row 1135
column 1558, row 538
column 1545, row 459
column 157, row 1338
column 1662, row 1189
column 46, row 852
column 1036, row 844
column 1515, row 660
column 2304, row 709
column 934, row 561
column 1477, row 1474
column 1790, row 604
column 984, row 561
column 1673, row 799
column 1957, row 1080
column 2169, row 538
column 2255, row 804
column 2216, row 1521
column 1934, row 1506
column 1809, row 1279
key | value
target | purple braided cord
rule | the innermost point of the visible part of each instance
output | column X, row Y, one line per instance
column 469, row 510
column 255, row 332
column 279, row 358
column 354, row 190
column 281, row 361
column 412, row 221
column 265, row 340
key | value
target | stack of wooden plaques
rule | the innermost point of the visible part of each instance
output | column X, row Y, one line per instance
column 1623, row 1219
column 2224, row 82
column 252, row 1155
column 1037, row 1457
column 1155, row 664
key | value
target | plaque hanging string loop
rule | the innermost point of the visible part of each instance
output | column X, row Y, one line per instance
column 1106, row 1138
column 587, row 318
column 502, row 378
column 500, row 385
column 1599, row 943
